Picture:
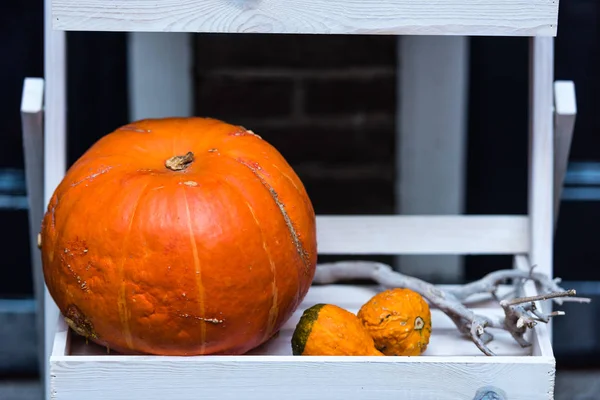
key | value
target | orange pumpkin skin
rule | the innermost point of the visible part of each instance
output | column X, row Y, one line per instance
column 399, row 321
column 207, row 253
column 329, row 330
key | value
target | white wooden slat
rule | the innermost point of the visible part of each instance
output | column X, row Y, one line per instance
column 403, row 234
column 459, row 368
column 62, row 339
column 55, row 157
column 431, row 139
column 565, row 112
column 406, row 17
column 32, row 100
column 542, row 341
column 32, row 122
column 541, row 153
column 334, row 378
column 160, row 75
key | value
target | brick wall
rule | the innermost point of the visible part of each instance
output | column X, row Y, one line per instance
column 327, row 103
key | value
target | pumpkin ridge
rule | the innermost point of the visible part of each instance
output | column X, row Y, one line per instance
column 122, row 297
column 300, row 191
column 309, row 208
column 288, row 221
column 197, row 272
column 292, row 230
column 274, row 310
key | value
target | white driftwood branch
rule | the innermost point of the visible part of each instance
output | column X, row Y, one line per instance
column 520, row 313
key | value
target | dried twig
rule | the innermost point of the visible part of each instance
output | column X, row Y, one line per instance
column 520, row 313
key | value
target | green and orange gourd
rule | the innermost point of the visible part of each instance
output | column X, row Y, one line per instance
column 329, row 330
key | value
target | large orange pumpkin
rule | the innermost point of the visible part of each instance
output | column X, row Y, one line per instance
column 179, row 236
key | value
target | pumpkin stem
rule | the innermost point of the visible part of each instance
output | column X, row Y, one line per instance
column 178, row 163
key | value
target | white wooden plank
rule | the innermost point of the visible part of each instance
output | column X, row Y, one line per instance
column 541, row 183
column 32, row 98
column 565, row 112
column 255, row 378
column 541, row 163
column 62, row 339
column 565, row 102
column 406, row 17
column 54, row 147
column 542, row 341
column 402, row 234
column 32, row 121
column 160, row 75
column 431, row 140
column 313, row 378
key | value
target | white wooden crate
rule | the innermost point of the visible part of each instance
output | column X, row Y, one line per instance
column 452, row 367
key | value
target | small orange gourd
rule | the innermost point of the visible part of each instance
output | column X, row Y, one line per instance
column 329, row 330
column 399, row 321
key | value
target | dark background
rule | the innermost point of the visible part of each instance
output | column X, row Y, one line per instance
column 329, row 107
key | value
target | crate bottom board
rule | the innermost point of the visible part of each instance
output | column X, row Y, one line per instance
column 451, row 368
column 445, row 339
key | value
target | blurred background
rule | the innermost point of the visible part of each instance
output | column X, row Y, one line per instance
column 344, row 111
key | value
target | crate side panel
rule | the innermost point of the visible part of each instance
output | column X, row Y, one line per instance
column 154, row 379
column 423, row 234
column 450, row 17
column 541, row 334
column 62, row 338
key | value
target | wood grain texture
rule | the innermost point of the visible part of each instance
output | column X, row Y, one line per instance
column 450, row 17
column 402, row 234
column 315, row 378
column 272, row 372
column 541, row 158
